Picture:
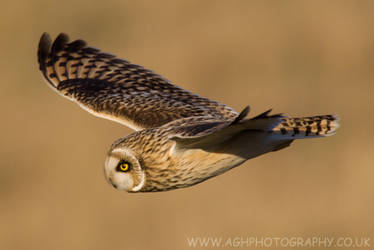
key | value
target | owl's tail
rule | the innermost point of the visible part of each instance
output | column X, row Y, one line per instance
column 307, row 127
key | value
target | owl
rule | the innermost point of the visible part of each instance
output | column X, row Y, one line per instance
column 180, row 138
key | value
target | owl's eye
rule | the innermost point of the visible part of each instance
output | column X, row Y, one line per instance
column 123, row 166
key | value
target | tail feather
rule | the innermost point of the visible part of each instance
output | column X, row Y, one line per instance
column 307, row 127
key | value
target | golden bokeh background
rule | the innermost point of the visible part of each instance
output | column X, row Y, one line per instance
column 298, row 57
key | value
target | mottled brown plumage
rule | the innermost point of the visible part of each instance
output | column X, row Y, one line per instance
column 115, row 88
column 182, row 138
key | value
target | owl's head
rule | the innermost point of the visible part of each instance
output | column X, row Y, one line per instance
column 123, row 170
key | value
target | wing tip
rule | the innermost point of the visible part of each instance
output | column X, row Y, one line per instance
column 242, row 115
column 46, row 48
column 47, row 51
column 60, row 42
column 78, row 44
column 266, row 115
column 43, row 50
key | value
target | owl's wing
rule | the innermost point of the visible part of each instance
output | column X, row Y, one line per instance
column 113, row 88
column 208, row 133
column 203, row 132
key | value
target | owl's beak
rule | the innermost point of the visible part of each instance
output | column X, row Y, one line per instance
column 114, row 185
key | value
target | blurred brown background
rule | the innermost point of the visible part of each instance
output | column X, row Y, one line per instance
column 298, row 57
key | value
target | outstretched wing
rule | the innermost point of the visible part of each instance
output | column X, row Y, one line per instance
column 203, row 132
column 281, row 130
column 115, row 89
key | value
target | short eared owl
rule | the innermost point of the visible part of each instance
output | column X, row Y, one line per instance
column 181, row 139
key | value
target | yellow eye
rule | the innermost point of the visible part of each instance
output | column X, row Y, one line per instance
column 123, row 166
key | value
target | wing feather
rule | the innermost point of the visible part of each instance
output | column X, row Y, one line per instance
column 209, row 132
column 115, row 89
